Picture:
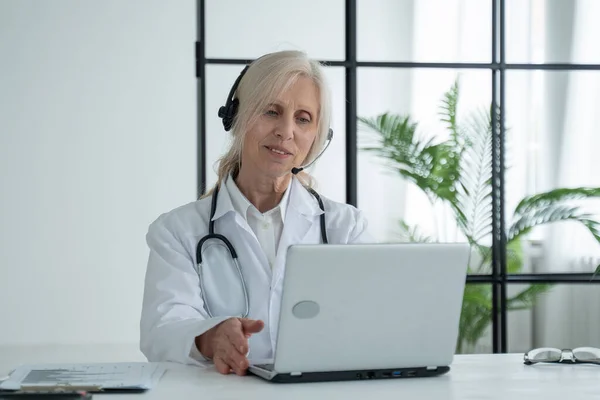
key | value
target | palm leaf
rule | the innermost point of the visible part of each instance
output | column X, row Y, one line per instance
column 526, row 298
column 551, row 213
column 412, row 233
column 479, row 325
column 474, row 194
column 549, row 207
column 475, row 314
column 554, row 196
column 451, row 170
column 396, row 131
column 396, row 141
column 448, row 110
column 477, row 310
column 514, row 257
column 591, row 224
column 486, row 258
column 432, row 167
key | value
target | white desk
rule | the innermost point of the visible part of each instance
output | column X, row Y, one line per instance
column 471, row 377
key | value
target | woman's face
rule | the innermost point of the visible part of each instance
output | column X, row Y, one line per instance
column 283, row 134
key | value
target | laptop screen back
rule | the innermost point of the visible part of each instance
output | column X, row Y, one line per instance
column 370, row 306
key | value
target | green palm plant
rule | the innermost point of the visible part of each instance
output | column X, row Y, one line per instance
column 458, row 173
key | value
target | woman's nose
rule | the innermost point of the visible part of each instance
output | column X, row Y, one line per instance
column 285, row 128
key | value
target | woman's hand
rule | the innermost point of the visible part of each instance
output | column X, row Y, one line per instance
column 227, row 344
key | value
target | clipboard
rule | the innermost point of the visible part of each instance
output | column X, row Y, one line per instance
column 84, row 378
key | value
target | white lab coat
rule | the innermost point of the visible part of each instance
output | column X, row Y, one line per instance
column 173, row 313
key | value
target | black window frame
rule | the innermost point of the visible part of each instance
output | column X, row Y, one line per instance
column 499, row 278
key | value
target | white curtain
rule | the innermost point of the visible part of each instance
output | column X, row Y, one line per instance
column 569, row 316
column 459, row 35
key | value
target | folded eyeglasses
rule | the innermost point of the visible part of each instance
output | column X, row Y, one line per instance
column 580, row 355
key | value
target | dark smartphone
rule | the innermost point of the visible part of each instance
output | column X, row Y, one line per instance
column 44, row 396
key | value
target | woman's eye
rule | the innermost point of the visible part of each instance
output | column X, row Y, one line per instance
column 271, row 112
column 304, row 120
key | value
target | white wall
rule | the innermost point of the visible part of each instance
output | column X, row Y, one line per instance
column 97, row 137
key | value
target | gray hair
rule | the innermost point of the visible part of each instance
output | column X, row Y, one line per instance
column 266, row 78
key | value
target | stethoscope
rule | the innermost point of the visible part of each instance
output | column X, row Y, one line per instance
column 224, row 241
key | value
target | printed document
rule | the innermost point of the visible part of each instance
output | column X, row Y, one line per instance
column 102, row 376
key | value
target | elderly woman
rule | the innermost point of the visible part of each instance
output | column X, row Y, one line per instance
column 214, row 275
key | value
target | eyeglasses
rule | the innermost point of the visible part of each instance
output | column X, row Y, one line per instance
column 580, row 355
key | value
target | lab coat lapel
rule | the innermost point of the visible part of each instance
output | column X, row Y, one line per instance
column 224, row 207
column 299, row 219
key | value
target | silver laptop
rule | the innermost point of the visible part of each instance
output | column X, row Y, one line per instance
column 368, row 311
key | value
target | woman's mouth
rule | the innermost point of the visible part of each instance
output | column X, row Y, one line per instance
column 278, row 151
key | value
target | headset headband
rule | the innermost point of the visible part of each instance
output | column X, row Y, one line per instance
column 229, row 110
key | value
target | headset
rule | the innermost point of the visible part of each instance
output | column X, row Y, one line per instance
column 229, row 110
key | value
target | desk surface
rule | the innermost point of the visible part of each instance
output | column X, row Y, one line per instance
column 471, row 377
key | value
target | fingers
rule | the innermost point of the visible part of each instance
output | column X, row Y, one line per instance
column 237, row 350
column 239, row 363
column 251, row 326
column 221, row 366
column 237, row 339
column 231, row 347
column 226, row 362
column 231, row 344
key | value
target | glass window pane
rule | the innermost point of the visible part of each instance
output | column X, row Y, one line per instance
column 424, row 30
column 409, row 180
column 552, row 31
column 562, row 315
column 552, row 143
column 475, row 329
column 328, row 171
column 249, row 29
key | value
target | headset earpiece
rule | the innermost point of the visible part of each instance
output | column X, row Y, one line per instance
column 228, row 112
